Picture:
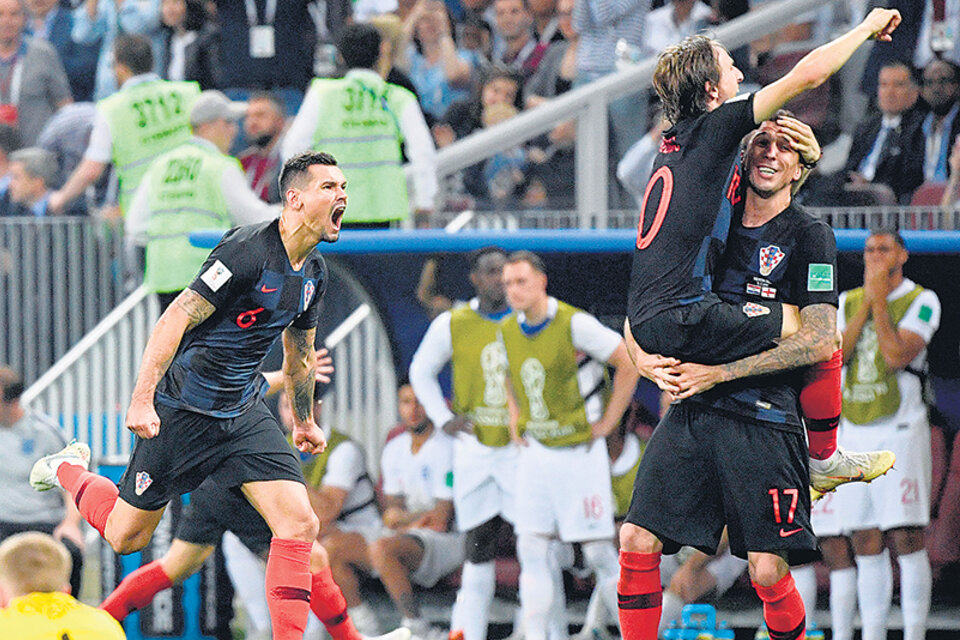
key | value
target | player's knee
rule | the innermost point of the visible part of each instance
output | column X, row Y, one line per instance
column 638, row 540
column 319, row 559
column 382, row 552
column 767, row 569
column 124, row 542
column 303, row 526
column 482, row 542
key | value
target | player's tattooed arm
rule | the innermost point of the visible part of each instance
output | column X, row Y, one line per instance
column 815, row 342
column 299, row 369
column 186, row 312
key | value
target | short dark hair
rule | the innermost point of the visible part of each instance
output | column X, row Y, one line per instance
column 11, row 384
column 892, row 232
column 497, row 71
column 900, row 63
column 682, row 72
column 359, row 45
column 297, row 166
column 473, row 259
column 530, row 258
column 134, row 52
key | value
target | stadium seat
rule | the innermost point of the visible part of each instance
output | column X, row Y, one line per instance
column 929, row 193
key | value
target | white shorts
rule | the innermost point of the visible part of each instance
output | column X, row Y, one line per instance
column 484, row 479
column 725, row 569
column 825, row 515
column 565, row 491
column 443, row 553
column 902, row 497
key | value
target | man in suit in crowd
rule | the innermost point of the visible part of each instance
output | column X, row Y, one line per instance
column 886, row 146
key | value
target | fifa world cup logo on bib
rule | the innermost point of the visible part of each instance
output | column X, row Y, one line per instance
column 534, row 378
column 493, row 363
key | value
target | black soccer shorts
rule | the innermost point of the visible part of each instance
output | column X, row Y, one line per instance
column 702, row 470
column 191, row 447
column 214, row 510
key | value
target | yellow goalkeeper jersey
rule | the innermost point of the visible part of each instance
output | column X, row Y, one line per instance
column 56, row 616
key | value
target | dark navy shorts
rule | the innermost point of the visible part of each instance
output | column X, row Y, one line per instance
column 711, row 331
column 213, row 510
column 702, row 470
column 192, row 447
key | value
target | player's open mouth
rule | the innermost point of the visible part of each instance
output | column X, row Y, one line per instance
column 766, row 171
column 338, row 215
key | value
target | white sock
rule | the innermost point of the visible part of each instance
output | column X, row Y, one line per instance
column 471, row 611
column 843, row 602
column 805, row 578
column 537, row 584
column 601, row 556
column 417, row 626
column 364, row 619
column 557, row 628
column 595, row 617
column 916, row 583
column 672, row 607
column 874, row 591
column 247, row 572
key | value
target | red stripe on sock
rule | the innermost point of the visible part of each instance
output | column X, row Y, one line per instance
column 288, row 587
column 94, row 495
column 328, row 603
column 820, row 402
column 782, row 609
column 639, row 595
column 136, row 591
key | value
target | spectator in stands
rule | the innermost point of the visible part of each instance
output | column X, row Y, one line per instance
column 938, row 38
column 601, row 24
column 101, row 22
column 439, row 70
column 33, row 84
column 363, row 121
column 417, row 545
column 886, row 327
column 673, row 22
column 263, row 127
column 67, row 135
column 392, row 53
column 9, row 142
column 941, row 91
column 132, row 126
column 49, row 20
column 634, row 168
column 32, row 172
column 194, row 186
column 34, row 588
column 25, row 437
column 886, row 147
column 952, row 191
column 266, row 44
column 515, row 45
column 476, row 36
column 190, row 49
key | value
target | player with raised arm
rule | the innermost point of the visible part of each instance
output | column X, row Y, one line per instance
column 197, row 409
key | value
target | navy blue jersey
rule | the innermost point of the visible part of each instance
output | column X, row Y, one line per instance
column 257, row 294
column 686, row 210
column 790, row 259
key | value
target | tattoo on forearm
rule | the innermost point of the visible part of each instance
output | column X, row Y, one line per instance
column 818, row 323
column 300, row 368
column 195, row 306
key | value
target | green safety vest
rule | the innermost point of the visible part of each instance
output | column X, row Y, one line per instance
column 623, row 486
column 543, row 369
column 480, row 375
column 359, row 124
column 145, row 120
column 316, row 466
column 184, row 195
column 870, row 389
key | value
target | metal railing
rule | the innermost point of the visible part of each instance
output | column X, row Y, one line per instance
column 588, row 104
column 58, row 278
column 87, row 391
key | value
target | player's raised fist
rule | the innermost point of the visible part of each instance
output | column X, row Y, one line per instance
column 881, row 23
column 142, row 419
column 309, row 438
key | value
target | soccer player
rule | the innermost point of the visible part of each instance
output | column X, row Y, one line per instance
column 563, row 487
column 685, row 218
column 35, row 594
column 484, row 463
column 737, row 452
column 196, row 407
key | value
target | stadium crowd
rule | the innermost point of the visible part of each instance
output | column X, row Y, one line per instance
column 110, row 107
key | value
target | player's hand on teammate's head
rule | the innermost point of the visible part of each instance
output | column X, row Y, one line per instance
column 309, row 438
column 882, row 23
column 324, row 366
column 802, row 138
column 142, row 419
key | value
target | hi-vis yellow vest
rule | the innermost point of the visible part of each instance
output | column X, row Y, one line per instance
column 870, row 389
column 543, row 369
column 480, row 375
column 359, row 124
column 144, row 121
